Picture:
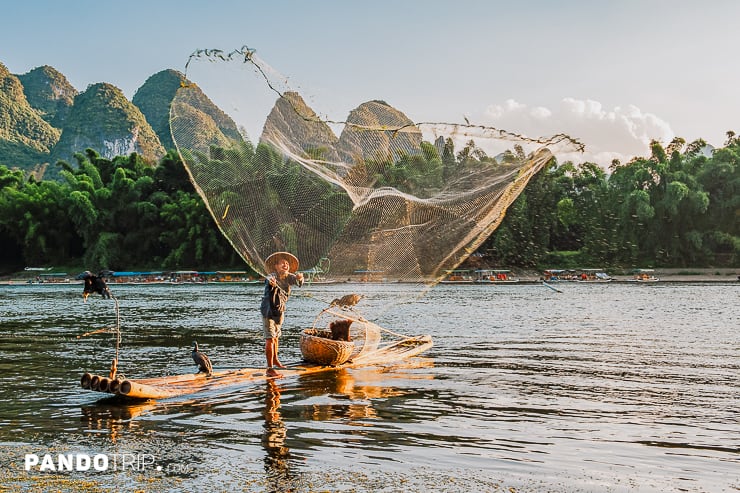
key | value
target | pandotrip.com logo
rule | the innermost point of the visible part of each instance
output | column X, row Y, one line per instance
column 81, row 462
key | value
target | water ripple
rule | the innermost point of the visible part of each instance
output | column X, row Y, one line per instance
column 624, row 385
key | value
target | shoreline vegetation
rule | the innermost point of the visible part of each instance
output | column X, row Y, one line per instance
column 676, row 207
column 701, row 275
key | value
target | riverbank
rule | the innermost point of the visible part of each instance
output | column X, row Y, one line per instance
column 703, row 275
column 684, row 274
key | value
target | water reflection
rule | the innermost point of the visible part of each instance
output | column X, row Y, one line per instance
column 113, row 416
column 348, row 395
column 277, row 453
column 337, row 395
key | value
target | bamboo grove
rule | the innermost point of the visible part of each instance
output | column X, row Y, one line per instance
column 677, row 207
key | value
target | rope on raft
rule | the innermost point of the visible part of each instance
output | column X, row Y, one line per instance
column 117, row 330
column 114, row 363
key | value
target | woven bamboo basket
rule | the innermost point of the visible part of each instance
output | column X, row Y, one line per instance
column 317, row 346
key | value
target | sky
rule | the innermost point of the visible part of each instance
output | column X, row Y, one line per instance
column 613, row 74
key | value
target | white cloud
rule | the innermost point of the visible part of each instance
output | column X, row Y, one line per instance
column 540, row 113
column 618, row 133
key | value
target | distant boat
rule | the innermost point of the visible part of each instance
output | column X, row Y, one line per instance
column 458, row 276
column 577, row 275
column 558, row 275
column 495, row 276
column 592, row 275
column 644, row 275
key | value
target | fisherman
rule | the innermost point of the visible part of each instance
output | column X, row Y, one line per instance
column 281, row 268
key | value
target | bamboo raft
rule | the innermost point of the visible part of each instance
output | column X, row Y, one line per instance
column 178, row 385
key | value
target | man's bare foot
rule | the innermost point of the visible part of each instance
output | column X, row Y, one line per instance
column 271, row 373
column 280, row 365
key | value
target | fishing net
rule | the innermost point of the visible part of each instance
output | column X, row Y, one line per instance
column 372, row 196
column 364, row 335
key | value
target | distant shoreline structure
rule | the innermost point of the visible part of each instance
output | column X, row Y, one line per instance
column 175, row 278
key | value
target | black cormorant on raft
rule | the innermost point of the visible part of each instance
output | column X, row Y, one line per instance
column 203, row 362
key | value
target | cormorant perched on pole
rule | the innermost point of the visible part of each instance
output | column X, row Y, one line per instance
column 204, row 364
column 94, row 284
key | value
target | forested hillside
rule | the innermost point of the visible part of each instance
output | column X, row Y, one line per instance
column 676, row 207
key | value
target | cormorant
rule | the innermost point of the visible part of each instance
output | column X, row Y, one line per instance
column 346, row 301
column 204, row 364
column 94, row 284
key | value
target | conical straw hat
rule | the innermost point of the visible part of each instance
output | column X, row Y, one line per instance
column 272, row 260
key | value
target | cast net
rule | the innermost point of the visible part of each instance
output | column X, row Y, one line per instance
column 372, row 196
column 364, row 335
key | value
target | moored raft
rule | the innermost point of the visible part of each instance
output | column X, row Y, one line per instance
column 177, row 385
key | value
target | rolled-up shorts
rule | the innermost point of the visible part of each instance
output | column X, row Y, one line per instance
column 271, row 328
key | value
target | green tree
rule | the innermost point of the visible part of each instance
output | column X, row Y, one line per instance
column 34, row 219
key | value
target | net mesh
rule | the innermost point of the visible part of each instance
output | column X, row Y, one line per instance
column 374, row 195
column 365, row 335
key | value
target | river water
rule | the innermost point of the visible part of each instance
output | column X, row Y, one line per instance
column 605, row 387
